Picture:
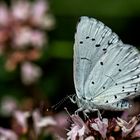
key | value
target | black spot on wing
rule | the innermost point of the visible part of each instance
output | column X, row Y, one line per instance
column 87, row 37
column 101, row 63
column 106, row 101
column 84, row 58
column 81, row 42
column 92, row 82
column 115, row 96
column 120, row 70
column 93, row 39
column 97, row 45
column 104, row 49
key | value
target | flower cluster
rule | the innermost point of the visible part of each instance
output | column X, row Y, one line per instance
column 23, row 27
column 104, row 129
column 31, row 123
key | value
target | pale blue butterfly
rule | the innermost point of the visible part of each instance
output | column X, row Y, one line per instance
column 106, row 71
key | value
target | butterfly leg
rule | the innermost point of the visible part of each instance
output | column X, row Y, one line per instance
column 78, row 110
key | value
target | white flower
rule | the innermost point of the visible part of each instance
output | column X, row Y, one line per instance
column 40, row 121
column 21, row 118
column 8, row 105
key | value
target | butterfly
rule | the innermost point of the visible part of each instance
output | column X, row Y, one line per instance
column 106, row 71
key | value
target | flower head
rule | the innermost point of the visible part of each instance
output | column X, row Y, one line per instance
column 78, row 129
column 127, row 127
column 110, row 129
column 100, row 126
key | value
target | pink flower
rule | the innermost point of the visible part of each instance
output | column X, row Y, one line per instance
column 22, row 37
column 127, row 127
column 100, row 126
column 136, row 133
column 37, row 39
column 78, row 129
column 38, row 11
column 30, row 73
column 21, row 118
column 21, row 9
column 6, row 134
column 4, row 15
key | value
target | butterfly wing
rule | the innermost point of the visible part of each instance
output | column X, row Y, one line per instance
column 105, row 70
column 90, row 35
column 120, row 78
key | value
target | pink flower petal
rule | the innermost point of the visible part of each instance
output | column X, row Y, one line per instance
column 6, row 134
column 100, row 126
column 21, row 9
column 4, row 15
column 127, row 127
column 30, row 73
column 78, row 129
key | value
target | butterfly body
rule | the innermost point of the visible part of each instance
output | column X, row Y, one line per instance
column 106, row 71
